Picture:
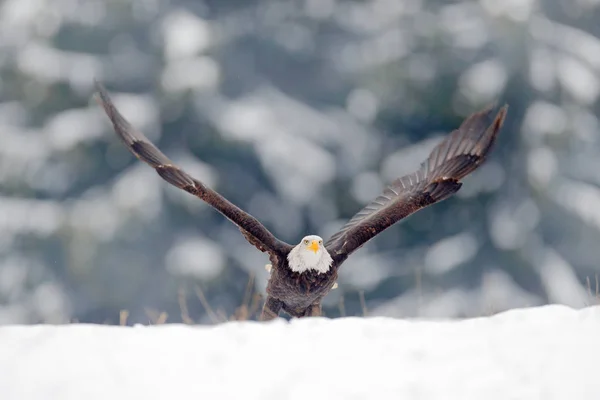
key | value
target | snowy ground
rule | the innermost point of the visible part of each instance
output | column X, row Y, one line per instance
column 550, row 352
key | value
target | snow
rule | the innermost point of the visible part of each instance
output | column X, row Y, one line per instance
column 548, row 352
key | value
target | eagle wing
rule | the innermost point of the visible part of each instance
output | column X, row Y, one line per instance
column 459, row 154
column 143, row 149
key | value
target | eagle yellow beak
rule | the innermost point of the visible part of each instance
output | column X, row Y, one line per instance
column 314, row 246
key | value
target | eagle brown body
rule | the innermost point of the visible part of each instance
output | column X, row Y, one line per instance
column 300, row 293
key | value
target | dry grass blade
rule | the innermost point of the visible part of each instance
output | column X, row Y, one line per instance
column 242, row 313
column 593, row 294
column 221, row 315
column 588, row 286
column 162, row 318
column 123, row 315
column 363, row 302
column 257, row 300
column 156, row 317
column 211, row 314
column 342, row 307
column 419, row 288
column 185, row 315
column 248, row 293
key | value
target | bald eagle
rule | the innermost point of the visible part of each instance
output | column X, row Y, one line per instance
column 302, row 274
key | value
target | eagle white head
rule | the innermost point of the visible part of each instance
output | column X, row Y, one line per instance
column 310, row 254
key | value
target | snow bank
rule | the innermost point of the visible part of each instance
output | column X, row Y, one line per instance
column 550, row 352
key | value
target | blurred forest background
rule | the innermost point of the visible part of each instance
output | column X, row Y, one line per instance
column 299, row 112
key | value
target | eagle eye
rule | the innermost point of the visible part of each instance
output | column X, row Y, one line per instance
column 306, row 241
column 320, row 242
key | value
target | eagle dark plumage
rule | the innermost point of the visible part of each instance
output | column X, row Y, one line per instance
column 302, row 275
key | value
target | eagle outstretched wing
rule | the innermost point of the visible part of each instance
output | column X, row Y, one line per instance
column 459, row 154
column 143, row 149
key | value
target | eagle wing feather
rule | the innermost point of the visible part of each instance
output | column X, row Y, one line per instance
column 142, row 148
column 438, row 178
